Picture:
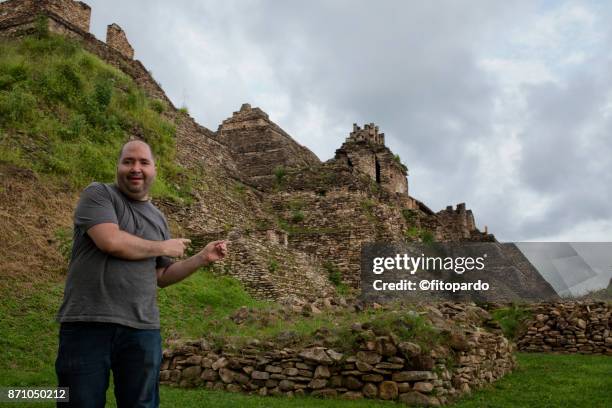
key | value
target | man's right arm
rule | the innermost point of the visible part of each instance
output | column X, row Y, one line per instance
column 120, row 244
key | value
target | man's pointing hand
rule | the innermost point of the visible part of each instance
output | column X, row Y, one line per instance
column 175, row 248
column 214, row 251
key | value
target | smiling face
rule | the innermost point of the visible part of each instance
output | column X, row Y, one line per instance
column 136, row 170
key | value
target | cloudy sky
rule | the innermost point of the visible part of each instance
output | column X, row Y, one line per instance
column 505, row 107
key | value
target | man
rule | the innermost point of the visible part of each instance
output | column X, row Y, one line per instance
column 109, row 318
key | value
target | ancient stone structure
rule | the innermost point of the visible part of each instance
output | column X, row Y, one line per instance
column 269, row 269
column 569, row 327
column 365, row 151
column 260, row 147
column 20, row 14
column 384, row 367
column 457, row 221
column 115, row 38
column 254, row 178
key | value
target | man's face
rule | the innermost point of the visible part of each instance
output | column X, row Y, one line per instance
column 136, row 170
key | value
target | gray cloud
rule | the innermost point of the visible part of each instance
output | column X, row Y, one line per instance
column 414, row 68
column 567, row 149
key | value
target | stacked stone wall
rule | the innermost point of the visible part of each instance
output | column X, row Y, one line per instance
column 384, row 367
column 76, row 13
column 269, row 269
column 260, row 147
column 569, row 327
column 116, row 38
column 334, row 226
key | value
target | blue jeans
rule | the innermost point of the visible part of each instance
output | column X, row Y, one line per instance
column 88, row 351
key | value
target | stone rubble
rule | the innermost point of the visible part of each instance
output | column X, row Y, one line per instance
column 382, row 367
column 569, row 327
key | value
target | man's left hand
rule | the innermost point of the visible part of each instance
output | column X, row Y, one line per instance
column 214, row 251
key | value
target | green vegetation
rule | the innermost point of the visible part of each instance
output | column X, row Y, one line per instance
column 335, row 277
column 297, row 216
column 415, row 233
column 64, row 113
column 300, row 229
column 398, row 160
column 427, row 237
column 29, row 332
column 542, row 380
column 512, row 319
column 272, row 266
column 41, row 27
column 279, row 175
column 239, row 189
column 296, row 204
column 64, row 242
column 407, row 325
column 409, row 215
column 368, row 206
column 548, row 380
column 263, row 224
column 158, row 105
column 201, row 305
column 334, row 274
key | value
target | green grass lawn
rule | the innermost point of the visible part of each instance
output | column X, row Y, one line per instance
column 542, row 380
column 28, row 346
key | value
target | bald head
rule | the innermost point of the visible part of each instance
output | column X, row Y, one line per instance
column 136, row 143
column 136, row 170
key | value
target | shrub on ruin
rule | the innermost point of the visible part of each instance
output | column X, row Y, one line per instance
column 279, row 175
column 427, row 237
column 272, row 266
column 41, row 26
column 409, row 215
column 297, row 216
column 157, row 105
column 512, row 319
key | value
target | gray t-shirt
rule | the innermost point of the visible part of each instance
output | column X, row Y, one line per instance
column 100, row 287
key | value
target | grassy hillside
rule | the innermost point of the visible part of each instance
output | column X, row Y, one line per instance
column 194, row 308
column 64, row 113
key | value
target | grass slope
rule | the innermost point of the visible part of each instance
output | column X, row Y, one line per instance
column 28, row 346
column 64, row 113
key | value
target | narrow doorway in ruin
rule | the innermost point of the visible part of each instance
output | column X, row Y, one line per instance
column 377, row 170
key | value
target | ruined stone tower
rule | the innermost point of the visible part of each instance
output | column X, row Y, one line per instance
column 261, row 147
column 63, row 15
column 67, row 17
column 365, row 151
column 116, row 39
